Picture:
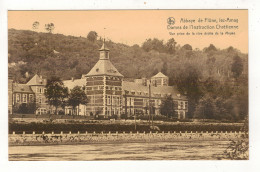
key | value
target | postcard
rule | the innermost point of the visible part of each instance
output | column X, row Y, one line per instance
column 128, row 85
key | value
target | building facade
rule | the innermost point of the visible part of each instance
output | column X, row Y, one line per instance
column 29, row 97
column 108, row 92
column 104, row 87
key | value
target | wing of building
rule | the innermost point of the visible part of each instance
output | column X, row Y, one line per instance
column 109, row 93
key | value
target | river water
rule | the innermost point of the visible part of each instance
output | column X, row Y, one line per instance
column 181, row 150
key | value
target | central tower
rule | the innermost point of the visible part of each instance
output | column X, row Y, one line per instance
column 104, row 87
column 104, row 52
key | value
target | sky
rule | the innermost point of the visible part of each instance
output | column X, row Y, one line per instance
column 135, row 26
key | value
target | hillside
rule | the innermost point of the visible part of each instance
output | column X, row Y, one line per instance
column 76, row 56
column 68, row 56
column 208, row 75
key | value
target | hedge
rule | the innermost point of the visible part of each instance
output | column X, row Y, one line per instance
column 74, row 128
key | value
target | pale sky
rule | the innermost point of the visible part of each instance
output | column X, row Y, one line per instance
column 134, row 26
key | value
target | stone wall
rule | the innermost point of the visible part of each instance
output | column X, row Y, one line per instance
column 87, row 138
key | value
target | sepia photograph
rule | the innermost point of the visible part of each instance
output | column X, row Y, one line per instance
column 110, row 85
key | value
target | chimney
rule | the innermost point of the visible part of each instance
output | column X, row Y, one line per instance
column 27, row 74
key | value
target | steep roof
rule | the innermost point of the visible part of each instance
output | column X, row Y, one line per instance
column 36, row 80
column 22, row 88
column 104, row 67
column 72, row 83
column 163, row 90
column 160, row 75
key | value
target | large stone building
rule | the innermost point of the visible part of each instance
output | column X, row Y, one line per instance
column 109, row 93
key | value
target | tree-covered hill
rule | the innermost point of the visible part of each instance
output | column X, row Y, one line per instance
column 211, row 78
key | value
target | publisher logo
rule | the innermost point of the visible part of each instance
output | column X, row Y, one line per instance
column 171, row 20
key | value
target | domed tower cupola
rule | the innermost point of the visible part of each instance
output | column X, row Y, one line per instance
column 104, row 52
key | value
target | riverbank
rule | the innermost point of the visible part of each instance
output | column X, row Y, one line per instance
column 94, row 138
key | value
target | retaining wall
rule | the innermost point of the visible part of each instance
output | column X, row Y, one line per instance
column 88, row 138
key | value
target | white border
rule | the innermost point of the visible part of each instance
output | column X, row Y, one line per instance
column 254, row 85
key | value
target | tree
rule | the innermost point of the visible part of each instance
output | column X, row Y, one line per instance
column 210, row 48
column 32, row 107
column 170, row 46
column 76, row 97
column 55, row 92
column 164, row 69
column 65, row 94
column 237, row 66
column 35, row 25
column 153, row 44
column 167, row 107
column 206, row 108
column 92, row 36
column 186, row 47
column 230, row 49
column 188, row 83
column 49, row 27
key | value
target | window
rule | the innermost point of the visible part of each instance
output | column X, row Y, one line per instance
column 24, row 98
column 91, row 99
column 17, row 98
column 132, row 102
column 118, row 101
column 182, row 105
column 13, row 98
column 186, row 105
column 158, row 102
column 113, row 100
column 108, row 100
column 30, row 98
column 41, row 111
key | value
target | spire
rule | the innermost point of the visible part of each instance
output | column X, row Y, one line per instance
column 103, row 48
column 104, row 52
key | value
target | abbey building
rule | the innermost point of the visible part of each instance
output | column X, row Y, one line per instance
column 108, row 92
